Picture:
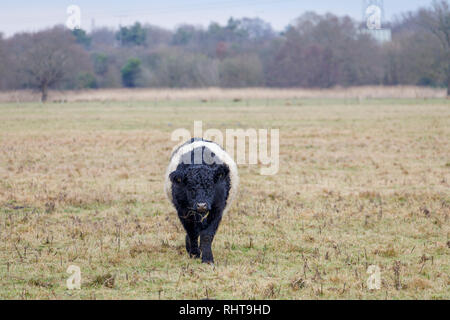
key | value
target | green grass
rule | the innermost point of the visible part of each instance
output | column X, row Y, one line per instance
column 360, row 183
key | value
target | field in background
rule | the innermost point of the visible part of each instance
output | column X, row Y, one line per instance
column 214, row 94
column 361, row 182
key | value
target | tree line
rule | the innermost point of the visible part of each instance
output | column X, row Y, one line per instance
column 316, row 51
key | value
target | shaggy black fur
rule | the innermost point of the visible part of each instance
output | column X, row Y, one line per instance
column 194, row 184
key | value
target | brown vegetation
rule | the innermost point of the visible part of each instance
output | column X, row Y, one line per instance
column 215, row 94
column 361, row 183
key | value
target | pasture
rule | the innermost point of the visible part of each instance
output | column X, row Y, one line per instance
column 361, row 182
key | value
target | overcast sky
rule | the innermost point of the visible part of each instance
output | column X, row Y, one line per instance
column 21, row 15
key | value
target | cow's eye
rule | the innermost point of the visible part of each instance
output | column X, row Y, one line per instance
column 176, row 177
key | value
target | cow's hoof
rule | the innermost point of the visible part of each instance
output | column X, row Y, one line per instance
column 195, row 254
column 208, row 261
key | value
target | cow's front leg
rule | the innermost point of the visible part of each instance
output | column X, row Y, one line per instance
column 191, row 237
column 207, row 237
column 192, row 246
column 205, row 247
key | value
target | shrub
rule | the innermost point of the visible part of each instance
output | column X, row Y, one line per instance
column 131, row 72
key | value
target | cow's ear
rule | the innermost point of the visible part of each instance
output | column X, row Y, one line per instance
column 222, row 172
column 176, row 177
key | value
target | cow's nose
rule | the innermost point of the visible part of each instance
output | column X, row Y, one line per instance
column 202, row 207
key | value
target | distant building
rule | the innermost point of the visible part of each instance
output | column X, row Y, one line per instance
column 373, row 16
column 381, row 35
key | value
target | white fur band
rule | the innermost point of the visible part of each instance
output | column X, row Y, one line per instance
column 222, row 155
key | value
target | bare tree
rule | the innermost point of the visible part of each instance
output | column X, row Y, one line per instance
column 314, row 51
column 437, row 21
column 241, row 71
column 49, row 58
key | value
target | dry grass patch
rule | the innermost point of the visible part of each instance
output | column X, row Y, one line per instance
column 206, row 96
column 360, row 183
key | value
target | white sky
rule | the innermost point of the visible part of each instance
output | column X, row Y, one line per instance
column 21, row 15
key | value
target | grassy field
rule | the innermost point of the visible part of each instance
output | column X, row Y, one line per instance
column 361, row 182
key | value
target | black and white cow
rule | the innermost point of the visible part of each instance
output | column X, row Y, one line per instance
column 201, row 182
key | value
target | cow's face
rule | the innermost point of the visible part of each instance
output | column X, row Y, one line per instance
column 198, row 187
